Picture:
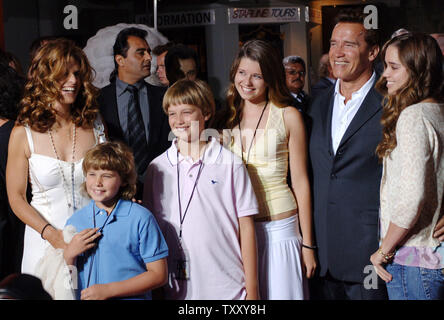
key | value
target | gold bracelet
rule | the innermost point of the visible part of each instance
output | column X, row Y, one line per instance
column 387, row 256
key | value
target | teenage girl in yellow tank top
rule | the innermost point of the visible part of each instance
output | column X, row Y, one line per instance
column 269, row 135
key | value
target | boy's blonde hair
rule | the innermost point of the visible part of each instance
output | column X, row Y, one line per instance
column 113, row 156
column 196, row 93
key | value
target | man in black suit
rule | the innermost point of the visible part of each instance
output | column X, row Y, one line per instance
column 131, row 107
column 295, row 72
column 346, row 173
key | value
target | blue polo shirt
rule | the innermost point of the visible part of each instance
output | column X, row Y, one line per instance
column 130, row 238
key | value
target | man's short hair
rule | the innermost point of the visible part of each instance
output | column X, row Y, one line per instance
column 121, row 45
column 324, row 63
column 172, row 64
column 357, row 16
column 294, row 59
column 162, row 48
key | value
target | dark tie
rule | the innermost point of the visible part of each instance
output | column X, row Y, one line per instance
column 136, row 131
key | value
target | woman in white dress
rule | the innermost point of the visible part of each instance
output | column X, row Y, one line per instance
column 56, row 126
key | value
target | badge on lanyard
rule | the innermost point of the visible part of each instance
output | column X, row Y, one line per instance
column 182, row 266
column 182, row 261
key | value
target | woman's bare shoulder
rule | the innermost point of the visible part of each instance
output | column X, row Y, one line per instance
column 18, row 139
column 292, row 116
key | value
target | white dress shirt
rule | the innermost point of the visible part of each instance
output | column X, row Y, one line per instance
column 343, row 113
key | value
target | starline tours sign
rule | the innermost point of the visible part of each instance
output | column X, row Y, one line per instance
column 235, row 15
column 264, row 15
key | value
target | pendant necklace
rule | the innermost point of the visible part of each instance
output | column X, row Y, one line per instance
column 252, row 140
column 70, row 202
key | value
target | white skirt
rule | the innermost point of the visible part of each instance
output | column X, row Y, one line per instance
column 279, row 260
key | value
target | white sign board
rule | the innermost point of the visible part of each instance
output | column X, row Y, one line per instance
column 264, row 15
column 186, row 19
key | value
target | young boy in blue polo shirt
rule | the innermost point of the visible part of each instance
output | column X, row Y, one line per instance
column 120, row 251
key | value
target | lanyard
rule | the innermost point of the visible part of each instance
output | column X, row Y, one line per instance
column 182, row 218
column 100, row 230
column 252, row 140
column 106, row 220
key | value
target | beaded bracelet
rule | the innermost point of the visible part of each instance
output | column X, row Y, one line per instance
column 43, row 230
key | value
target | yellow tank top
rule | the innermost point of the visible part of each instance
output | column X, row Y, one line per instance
column 268, row 165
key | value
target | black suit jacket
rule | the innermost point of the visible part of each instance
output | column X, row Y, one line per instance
column 346, row 187
column 302, row 102
column 158, row 121
column 320, row 86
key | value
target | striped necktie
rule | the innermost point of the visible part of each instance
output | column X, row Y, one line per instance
column 136, row 131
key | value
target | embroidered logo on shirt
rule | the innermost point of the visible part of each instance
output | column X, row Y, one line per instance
column 213, row 181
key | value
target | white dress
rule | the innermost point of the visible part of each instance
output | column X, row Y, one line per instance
column 49, row 197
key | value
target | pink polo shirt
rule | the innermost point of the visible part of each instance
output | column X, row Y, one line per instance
column 210, row 233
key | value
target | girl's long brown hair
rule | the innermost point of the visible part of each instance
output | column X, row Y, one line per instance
column 49, row 66
column 421, row 56
column 272, row 70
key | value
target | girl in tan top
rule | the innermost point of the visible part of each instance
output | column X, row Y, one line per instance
column 270, row 137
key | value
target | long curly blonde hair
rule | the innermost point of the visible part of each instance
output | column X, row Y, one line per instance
column 421, row 56
column 48, row 67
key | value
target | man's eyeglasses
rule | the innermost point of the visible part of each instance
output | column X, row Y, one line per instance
column 294, row 72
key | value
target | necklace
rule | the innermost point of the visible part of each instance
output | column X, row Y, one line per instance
column 65, row 182
column 252, row 140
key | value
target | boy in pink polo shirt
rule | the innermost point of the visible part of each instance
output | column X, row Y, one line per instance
column 203, row 200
